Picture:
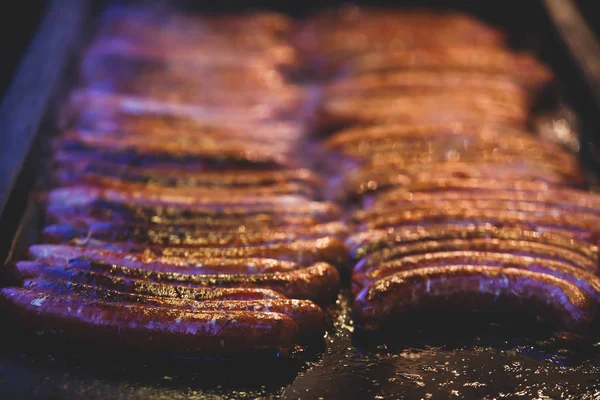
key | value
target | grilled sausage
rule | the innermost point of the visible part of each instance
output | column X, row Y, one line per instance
column 582, row 229
column 192, row 264
column 143, row 196
column 148, row 211
column 577, row 275
column 208, row 154
column 518, row 245
column 405, row 132
column 123, row 123
column 309, row 317
column 364, row 243
column 467, row 106
column 455, row 175
column 179, row 177
column 204, row 333
column 183, row 236
column 464, row 287
column 318, row 282
column 303, row 252
column 510, row 205
column 52, row 278
column 419, row 81
column 556, row 196
column 521, row 67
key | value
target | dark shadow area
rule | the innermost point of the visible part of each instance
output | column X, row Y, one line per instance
column 18, row 22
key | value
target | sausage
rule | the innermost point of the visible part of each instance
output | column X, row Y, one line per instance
column 183, row 236
column 579, row 228
column 420, row 81
column 192, row 265
column 151, row 78
column 207, row 153
column 170, row 86
column 173, row 82
column 455, row 175
column 466, row 106
column 256, row 222
column 133, row 218
column 575, row 274
column 181, row 214
column 285, row 188
column 520, row 247
column 165, row 126
column 364, row 243
column 309, row 317
column 78, row 196
column 86, row 99
column 456, row 148
column 279, row 56
column 318, row 282
column 463, row 184
column 203, row 333
column 304, row 252
column 519, row 66
column 556, row 196
column 405, row 132
column 351, row 30
column 512, row 205
column 464, row 287
column 422, row 154
column 180, row 177
column 52, row 278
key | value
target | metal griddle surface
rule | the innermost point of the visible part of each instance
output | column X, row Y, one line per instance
column 442, row 356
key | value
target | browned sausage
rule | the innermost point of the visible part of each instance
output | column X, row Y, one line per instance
column 522, row 67
column 465, row 287
column 577, row 275
column 318, row 282
column 466, row 106
column 522, row 247
column 309, row 317
column 71, row 256
column 364, row 243
column 203, row 333
column 180, row 177
column 152, row 289
column 304, row 252
column 558, row 196
column 182, row 236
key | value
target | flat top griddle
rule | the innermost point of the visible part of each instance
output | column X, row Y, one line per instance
column 442, row 356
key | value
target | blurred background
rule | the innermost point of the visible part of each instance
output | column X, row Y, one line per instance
column 20, row 19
